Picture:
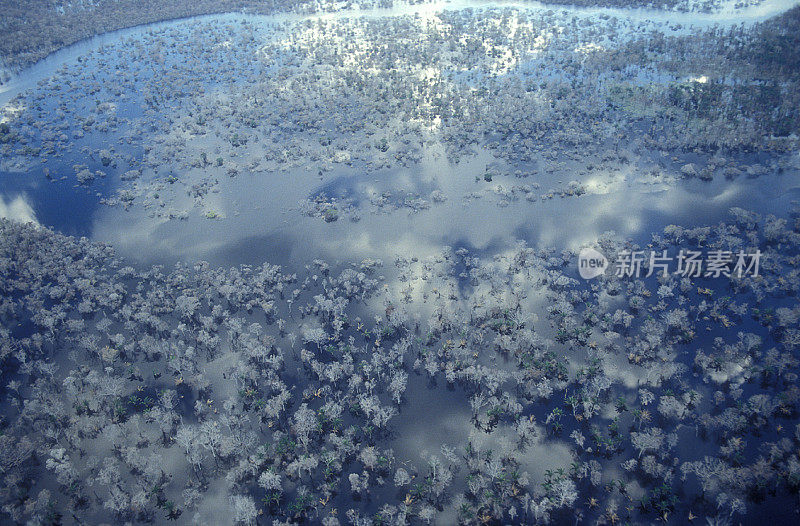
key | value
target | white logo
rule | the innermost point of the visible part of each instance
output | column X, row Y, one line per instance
column 591, row 263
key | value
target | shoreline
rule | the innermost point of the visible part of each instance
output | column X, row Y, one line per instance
column 27, row 77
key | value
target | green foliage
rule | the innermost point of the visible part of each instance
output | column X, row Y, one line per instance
column 301, row 504
column 330, row 214
column 285, row 446
column 661, row 500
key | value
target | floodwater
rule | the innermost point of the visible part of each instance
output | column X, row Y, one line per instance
column 416, row 209
column 688, row 21
column 260, row 216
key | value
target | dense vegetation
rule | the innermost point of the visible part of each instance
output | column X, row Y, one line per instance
column 439, row 379
column 152, row 394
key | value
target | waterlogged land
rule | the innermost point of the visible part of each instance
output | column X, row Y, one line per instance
column 459, row 390
column 329, row 269
column 500, row 106
column 32, row 30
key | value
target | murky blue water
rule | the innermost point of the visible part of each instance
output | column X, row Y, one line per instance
column 261, row 214
column 416, row 209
